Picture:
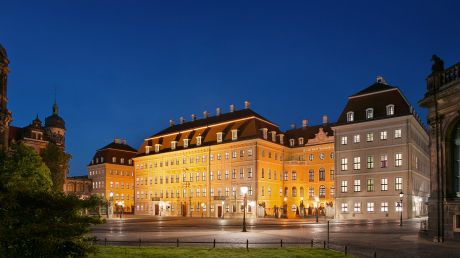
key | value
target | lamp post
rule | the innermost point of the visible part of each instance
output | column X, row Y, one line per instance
column 285, row 207
column 244, row 191
column 401, row 195
column 202, row 207
column 316, row 208
column 110, row 208
column 223, row 212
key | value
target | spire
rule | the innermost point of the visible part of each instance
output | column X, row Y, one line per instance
column 55, row 106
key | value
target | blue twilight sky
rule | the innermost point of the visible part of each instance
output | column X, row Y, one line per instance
column 124, row 68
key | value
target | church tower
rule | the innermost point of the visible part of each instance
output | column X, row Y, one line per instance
column 55, row 127
column 5, row 114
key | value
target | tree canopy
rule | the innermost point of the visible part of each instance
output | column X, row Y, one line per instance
column 57, row 160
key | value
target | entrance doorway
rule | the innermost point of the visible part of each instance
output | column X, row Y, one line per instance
column 219, row 211
column 157, row 209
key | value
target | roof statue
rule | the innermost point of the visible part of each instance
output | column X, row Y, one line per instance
column 438, row 64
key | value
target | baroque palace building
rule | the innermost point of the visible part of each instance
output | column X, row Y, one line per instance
column 111, row 171
column 199, row 168
column 382, row 156
column 443, row 102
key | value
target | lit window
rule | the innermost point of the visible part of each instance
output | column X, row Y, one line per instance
column 390, row 110
column 250, row 153
column 294, row 175
column 114, row 159
column 186, row 143
column 265, row 133
column 234, row 135
column 370, row 161
column 383, row 161
column 384, row 207
column 322, row 191
column 344, row 164
column 311, row 157
column 398, row 159
column 157, row 147
column 369, row 137
column 357, row 207
column 322, row 174
column 383, row 135
column 398, row 183
column 370, row 207
column 291, row 142
column 370, row 184
column 344, row 186
column 344, row 140
column 198, row 140
column 321, row 156
column 350, row 116
column 369, row 113
column 273, row 136
column 344, row 207
column 384, row 184
column 311, row 175
column 300, row 141
column 219, row 137
column 398, row 133
column 173, row 145
column 356, row 163
column 356, row 138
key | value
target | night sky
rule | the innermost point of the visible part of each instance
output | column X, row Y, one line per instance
column 124, row 68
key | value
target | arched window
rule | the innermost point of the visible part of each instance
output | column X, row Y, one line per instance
column 456, row 159
column 322, row 191
column 294, row 191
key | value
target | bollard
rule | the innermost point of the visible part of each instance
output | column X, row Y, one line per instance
column 346, row 250
column 247, row 245
column 177, row 242
column 328, row 232
column 375, row 254
column 281, row 242
column 214, row 243
column 105, row 241
column 324, row 245
column 140, row 241
column 311, row 243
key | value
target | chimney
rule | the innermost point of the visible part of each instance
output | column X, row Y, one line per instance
column 304, row 123
column 292, row 126
column 379, row 79
column 181, row 120
column 232, row 108
column 193, row 117
column 205, row 114
column 123, row 141
column 171, row 122
column 218, row 111
column 116, row 140
column 247, row 104
column 325, row 120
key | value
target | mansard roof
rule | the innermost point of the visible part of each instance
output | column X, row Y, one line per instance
column 114, row 149
column 307, row 133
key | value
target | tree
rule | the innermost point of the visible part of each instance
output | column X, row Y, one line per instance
column 57, row 160
column 35, row 219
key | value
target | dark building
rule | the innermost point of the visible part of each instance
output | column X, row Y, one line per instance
column 443, row 102
column 78, row 185
column 5, row 114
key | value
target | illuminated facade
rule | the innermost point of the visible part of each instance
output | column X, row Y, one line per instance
column 198, row 168
column 112, row 173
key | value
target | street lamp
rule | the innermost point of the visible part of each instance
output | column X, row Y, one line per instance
column 223, row 212
column 401, row 195
column 110, row 208
column 316, row 207
column 244, row 191
column 202, row 207
column 285, row 208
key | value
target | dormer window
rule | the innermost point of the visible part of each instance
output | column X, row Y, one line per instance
column 300, row 141
column 147, row 149
column 219, row 137
column 102, row 159
column 130, row 161
column 291, row 142
column 173, row 145
column 157, row 147
column 273, row 136
column 114, row 159
column 281, row 138
column 186, row 143
column 122, row 161
column 369, row 113
column 390, row 110
column 350, row 116
column 234, row 134
column 97, row 160
column 265, row 133
column 198, row 140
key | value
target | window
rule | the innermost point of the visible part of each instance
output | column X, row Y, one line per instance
column 344, row 164
column 390, row 110
column 227, row 155
column 262, row 191
column 383, row 161
column 250, row 153
column 331, row 174
column 344, row 186
column 234, row 154
column 203, row 176
column 294, row 176
column 398, row 183
column 234, row 174
column 241, row 173
column 273, row 136
column 311, row 191
column 322, row 174
column 294, row 192
column 226, row 174
column 398, row 159
column 357, row 207
column 219, row 137
column 356, row 138
column 384, row 184
column 219, row 175
column 291, row 142
column 350, row 116
column 311, row 157
column 265, row 133
column 332, row 191
column 173, row 145
column 241, row 153
column 370, row 184
column 227, row 191
column 370, row 137
column 398, row 133
column 250, row 172
column 219, row 156
column 234, row 134
column 114, row 159
column 186, row 143
column 384, row 207
column 344, row 207
column 344, row 140
column 370, row 207
column 357, row 185
column 211, row 175
column 370, row 161
column 311, row 175
column 369, row 113
column 286, row 176
column 300, row 141
column 383, row 135
column 262, row 174
column 356, row 163
column 322, row 191
column 321, row 156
